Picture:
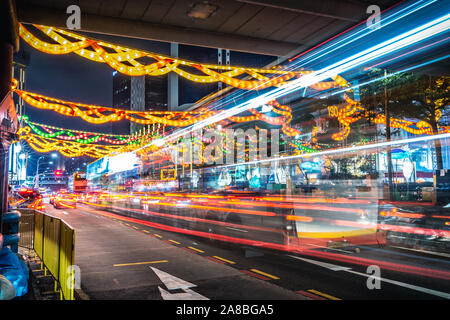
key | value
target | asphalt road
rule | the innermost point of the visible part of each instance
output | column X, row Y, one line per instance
column 123, row 259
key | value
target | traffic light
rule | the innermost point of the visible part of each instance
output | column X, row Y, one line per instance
column 58, row 172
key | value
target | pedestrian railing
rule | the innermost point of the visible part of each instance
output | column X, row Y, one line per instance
column 26, row 228
column 53, row 241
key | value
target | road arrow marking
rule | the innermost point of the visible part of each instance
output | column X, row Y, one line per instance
column 188, row 294
column 173, row 283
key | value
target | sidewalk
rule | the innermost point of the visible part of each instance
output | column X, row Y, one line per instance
column 40, row 287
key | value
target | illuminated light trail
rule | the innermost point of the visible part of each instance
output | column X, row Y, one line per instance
column 66, row 205
column 388, row 20
column 95, row 50
column 242, row 211
column 380, row 226
column 172, row 216
column 272, row 201
column 395, row 213
column 346, row 223
column 347, row 149
column 17, row 202
column 389, row 75
column 95, row 114
column 404, row 54
column 314, row 199
column 394, row 44
column 402, row 268
column 296, row 206
column 345, row 118
column 290, row 217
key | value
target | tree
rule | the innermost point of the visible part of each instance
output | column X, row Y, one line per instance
column 409, row 96
column 429, row 96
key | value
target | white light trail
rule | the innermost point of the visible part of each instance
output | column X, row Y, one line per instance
column 399, row 42
column 345, row 41
column 343, row 150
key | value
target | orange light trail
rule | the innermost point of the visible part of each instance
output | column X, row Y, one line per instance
column 403, row 268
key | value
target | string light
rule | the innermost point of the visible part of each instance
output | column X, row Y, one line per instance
column 353, row 111
column 82, row 137
column 125, row 60
column 66, row 148
column 96, row 114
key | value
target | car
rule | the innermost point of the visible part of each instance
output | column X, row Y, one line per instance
column 63, row 200
column 52, row 196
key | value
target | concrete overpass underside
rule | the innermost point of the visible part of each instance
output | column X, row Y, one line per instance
column 271, row 27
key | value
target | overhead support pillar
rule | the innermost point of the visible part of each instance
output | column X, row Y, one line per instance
column 172, row 99
column 220, row 62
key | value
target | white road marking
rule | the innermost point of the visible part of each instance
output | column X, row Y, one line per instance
column 64, row 212
column 424, row 251
column 174, row 283
column 328, row 248
column 188, row 294
column 406, row 285
column 323, row 264
column 236, row 229
column 394, row 282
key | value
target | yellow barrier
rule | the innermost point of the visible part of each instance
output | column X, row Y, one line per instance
column 39, row 233
column 66, row 260
column 51, row 245
column 54, row 243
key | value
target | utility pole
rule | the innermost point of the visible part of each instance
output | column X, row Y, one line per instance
column 220, row 62
column 388, row 138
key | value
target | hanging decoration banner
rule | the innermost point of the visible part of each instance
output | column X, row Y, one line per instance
column 135, row 62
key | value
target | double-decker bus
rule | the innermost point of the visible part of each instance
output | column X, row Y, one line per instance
column 77, row 182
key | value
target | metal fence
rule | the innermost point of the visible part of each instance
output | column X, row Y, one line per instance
column 26, row 228
column 53, row 241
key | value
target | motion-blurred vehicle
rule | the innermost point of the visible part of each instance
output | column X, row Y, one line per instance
column 77, row 182
column 52, row 196
column 64, row 200
column 25, row 197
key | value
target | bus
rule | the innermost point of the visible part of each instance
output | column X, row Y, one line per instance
column 77, row 182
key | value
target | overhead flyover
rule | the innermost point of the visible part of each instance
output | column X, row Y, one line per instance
column 270, row 27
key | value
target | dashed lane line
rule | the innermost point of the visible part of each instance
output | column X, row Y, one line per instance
column 330, row 297
column 138, row 263
column 310, row 295
column 225, row 260
column 265, row 274
column 195, row 249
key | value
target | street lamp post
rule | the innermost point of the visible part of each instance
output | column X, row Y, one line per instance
column 36, row 179
column 36, row 183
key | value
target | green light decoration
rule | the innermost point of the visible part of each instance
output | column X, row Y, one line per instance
column 80, row 136
column 301, row 147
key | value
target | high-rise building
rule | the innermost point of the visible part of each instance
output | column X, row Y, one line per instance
column 142, row 93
